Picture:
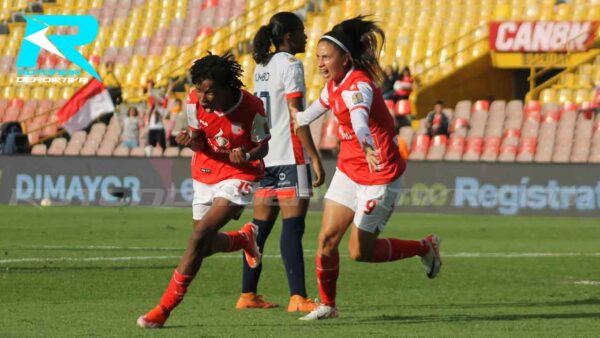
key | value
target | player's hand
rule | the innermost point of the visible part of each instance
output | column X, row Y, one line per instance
column 237, row 155
column 294, row 121
column 371, row 156
column 184, row 138
column 319, row 172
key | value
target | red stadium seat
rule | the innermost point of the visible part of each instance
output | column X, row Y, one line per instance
column 403, row 107
column 533, row 106
column 480, row 105
column 455, row 148
column 419, row 147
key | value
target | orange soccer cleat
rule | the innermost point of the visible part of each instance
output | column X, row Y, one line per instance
column 301, row 304
column 154, row 319
column 251, row 300
column 251, row 250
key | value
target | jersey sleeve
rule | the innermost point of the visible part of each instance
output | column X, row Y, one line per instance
column 260, row 129
column 293, row 79
column 360, row 95
column 191, row 111
column 324, row 97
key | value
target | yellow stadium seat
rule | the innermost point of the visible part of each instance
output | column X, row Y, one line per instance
column 67, row 92
column 8, row 92
column 564, row 95
column 23, row 92
column 582, row 95
column 38, row 93
column 53, row 93
column 548, row 95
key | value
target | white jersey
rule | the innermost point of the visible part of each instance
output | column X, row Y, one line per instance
column 281, row 78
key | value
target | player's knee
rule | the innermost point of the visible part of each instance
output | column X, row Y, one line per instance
column 327, row 243
column 357, row 253
column 201, row 232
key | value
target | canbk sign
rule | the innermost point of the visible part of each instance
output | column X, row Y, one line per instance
column 542, row 36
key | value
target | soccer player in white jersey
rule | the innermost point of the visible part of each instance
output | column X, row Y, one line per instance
column 366, row 183
column 286, row 186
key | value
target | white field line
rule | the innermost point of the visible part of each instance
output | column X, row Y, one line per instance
column 237, row 256
column 587, row 282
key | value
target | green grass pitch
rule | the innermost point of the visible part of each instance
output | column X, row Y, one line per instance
column 90, row 272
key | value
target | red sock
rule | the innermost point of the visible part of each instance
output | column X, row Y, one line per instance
column 237, row 240
column 176, row 290
column 393, row 249
column 328, row 270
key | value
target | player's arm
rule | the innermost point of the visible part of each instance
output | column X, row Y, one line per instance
column 313, row 112
column 192, row 136
column 359, row 102
column 296, row 104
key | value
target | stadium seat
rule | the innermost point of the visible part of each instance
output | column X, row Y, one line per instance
column 137, row 152
column 121, row 151
column 186, row 152
column 38, row 149
column 480, row 105
column 403, row 107
column 507, row 153
column 437, row 148
column 473, row 147
column 406, row 133
column 419, row 147
column 171, row 152
column 455, row 148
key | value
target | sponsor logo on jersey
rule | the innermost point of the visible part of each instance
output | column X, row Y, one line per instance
column 236, row 129
column 282, row 176
column 357, row 98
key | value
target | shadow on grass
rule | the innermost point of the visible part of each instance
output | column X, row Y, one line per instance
column 470, row 318
column 587, row 301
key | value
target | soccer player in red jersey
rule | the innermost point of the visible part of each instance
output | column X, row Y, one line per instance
column 366, row 183
column 228, row 132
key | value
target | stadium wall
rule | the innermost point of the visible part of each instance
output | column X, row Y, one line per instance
column 430, row 187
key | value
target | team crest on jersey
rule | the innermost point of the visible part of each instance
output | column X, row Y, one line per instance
column 236, row 129
column 219, row 143
column 357, row 98
column 292, row 59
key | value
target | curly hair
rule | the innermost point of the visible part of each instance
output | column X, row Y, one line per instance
column 222, row 69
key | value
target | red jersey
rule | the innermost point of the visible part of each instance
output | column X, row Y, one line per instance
column 357, row 90
column 244, row 125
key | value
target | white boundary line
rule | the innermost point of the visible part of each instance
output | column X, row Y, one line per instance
column 237, row 256
column 587, row 282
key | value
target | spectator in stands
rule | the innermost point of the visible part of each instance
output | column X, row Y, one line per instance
column 437, row 121
column 157, row 110
column 389, row 79
column 131, row 129
column 112, row 84
column 403, row 85
column 177, row 121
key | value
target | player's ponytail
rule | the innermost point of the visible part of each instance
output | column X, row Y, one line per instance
column 359, row 38
column 273, row 34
